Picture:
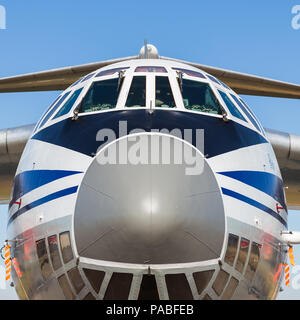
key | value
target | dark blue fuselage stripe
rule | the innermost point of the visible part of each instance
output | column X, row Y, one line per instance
column 29, row 180
column 81, row 136
column 263, row 181
column 50, row 197
column 254, row 203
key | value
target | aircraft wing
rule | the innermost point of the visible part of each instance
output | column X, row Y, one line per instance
column 53, row 80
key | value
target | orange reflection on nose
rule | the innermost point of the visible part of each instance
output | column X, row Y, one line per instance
column 268, row 252
column 279, row 269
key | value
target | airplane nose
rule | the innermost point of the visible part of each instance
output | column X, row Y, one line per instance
column 160, row 204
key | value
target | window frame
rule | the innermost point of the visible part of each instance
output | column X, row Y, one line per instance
column 238, row 255
column 87, row 91
column 94, row 278
column 207, row 277
column 214, row 79
column 54, row 117
column 37, row 127
column 213, row 89
column 187, row 71
column 58, row 251
column 163, row 75
column 245, row 121
column 148, row 76
column 250, row 255
column 61, row 247
column 237, row 238
column 109, row 69
column 88, row 87
column 88, row 77
column 74, row 274
column 68, row 286
column 250, row 117
column 64, row 95
column 50, row 274
column 76, row 83
column 220, row 282
column 172, row 75
column 230, row 288
column 253, row 115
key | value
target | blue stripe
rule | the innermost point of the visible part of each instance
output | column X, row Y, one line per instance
column 41, row 201
column 30, row 180
column 254, row 203
column 220, row 137
column 263, row 181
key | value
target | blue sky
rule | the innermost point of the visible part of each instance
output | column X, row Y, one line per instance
column 247, row 36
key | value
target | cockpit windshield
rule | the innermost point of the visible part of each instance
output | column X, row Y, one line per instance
column 102, row 95
column 164, row 95
column 137, row 94
column 198, row 96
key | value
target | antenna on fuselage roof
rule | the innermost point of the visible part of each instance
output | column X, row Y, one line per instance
column 146, row 48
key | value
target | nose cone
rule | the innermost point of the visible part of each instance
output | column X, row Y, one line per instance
column 154, row 209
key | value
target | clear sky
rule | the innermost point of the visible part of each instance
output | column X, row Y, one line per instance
column 247, row 36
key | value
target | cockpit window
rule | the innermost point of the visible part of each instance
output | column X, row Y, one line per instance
column 74, row 84
column 198, row 96
column 88, row 77
column 137, row 93
column 110, row 72
column 190, row 73
column 224, row 85
column 250, row 117
column 57, row 105
column 253, row 115
column 164, row 96
column 230, row 105
column 102, row 95
column 69, row 104
column 151, row 69
column 213, row 79
column 38, row 125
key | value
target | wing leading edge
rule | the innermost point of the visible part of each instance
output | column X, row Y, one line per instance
column 53, row 80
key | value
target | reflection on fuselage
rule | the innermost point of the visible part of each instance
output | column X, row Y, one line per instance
column 225, row 282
